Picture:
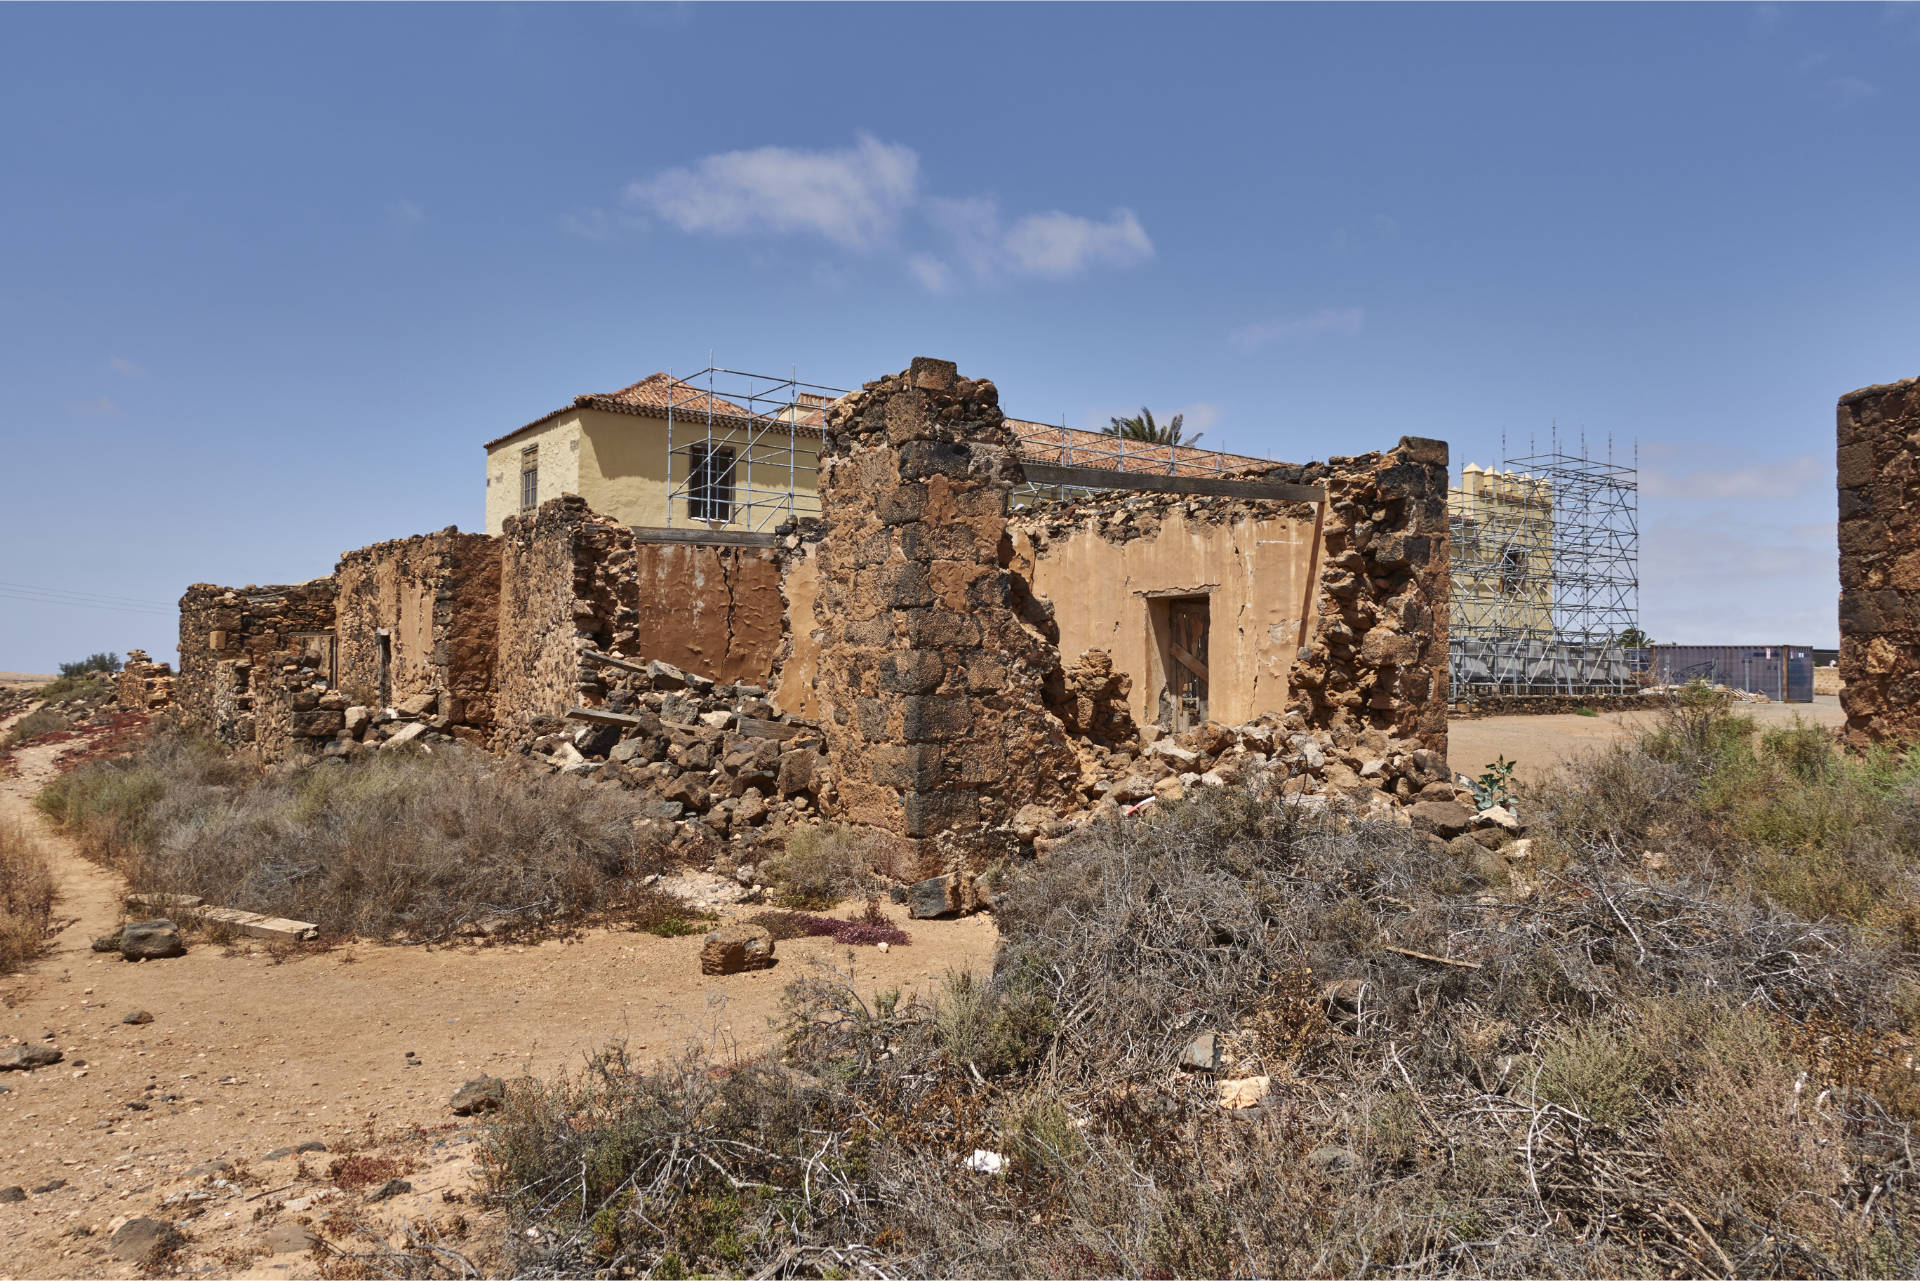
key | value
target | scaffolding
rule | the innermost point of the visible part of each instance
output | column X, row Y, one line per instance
column 1545, row 593
column 743, row 449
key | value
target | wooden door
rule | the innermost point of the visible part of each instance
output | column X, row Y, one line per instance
column 1187, row 628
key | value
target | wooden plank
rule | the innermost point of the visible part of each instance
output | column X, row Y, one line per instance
column 705, row 537
column 607, row 660
column 1206, row 486
column 1189, row 662
column 594, row 716
column 257, row 926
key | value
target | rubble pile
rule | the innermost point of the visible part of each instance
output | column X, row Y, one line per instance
column 1737, row 695
column 1380, row 775
column 720, row 759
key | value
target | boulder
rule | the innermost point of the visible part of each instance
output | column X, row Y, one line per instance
column 418, row 705
column 1445, row 819
column 935, row 896
column 151, row 940
column 12, row 1193
column 405, row 734
column 1497, row 816
column 25, row 1058
column 482, row 1094
column 136, row 1016
column 391, row 1188
column 1247, row 1092
column 140, row 1240
column 734, row 948
column 1202, row 1054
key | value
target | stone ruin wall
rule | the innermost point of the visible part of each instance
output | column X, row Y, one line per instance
column 566, row 586
column 234, row 643
column 1878, row 460
column 1376, row 654
column 142, row 684
column 437, row 598
column 933, row 697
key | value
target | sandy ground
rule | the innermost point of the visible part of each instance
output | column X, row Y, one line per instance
column 250, row 1051
column 1539, row 743
column 23, row 680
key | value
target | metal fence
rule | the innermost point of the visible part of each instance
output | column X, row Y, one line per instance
column 1781, row 672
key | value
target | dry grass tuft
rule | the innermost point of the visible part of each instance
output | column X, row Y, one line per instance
column 26, row 897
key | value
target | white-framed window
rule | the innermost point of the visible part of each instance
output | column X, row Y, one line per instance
column 529, row 478
column 710, row 482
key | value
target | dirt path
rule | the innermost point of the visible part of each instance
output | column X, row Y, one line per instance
column 248, row 1053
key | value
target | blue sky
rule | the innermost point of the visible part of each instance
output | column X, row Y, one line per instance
column 273, row 273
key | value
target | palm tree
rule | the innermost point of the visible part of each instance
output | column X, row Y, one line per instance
column 1142, row 427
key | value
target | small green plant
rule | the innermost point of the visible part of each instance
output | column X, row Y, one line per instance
column 1496, row 785
column 1584, row 711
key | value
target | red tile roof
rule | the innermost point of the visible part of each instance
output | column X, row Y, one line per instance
column 1042, row 443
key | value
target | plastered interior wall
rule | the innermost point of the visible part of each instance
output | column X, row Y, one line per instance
column 794, row 691
column 1257, row 576
column 559, row 443
column 711, row 609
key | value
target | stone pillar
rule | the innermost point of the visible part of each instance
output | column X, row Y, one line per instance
column 1879, row 478
column 930, row 677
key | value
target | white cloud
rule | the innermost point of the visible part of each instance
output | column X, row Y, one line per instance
column 858, row 198
column 121, row 365
column 405, row 213
column 933, row 274
column 852, row 196
column 1328, row 320
column 1784, row 479
column 1055, row 245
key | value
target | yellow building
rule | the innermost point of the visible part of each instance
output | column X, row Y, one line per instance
column 1501, row 526
column 667, row 453
column 663, row 453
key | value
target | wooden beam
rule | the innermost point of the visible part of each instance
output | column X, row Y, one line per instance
column 594, row 716
column 705, row 537
column 607, row 660
column 1206, row 486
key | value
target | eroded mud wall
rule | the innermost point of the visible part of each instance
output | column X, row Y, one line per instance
column 712, row 609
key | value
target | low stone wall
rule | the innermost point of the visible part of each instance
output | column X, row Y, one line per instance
column 1557, row 704
column 1878, row 431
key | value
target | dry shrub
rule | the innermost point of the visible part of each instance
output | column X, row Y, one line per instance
column 668, row 916
column 41, row 720
column 26, row 897
column 1547, row 1113
column 409, row 845
column 827, row 862
column 801, row 925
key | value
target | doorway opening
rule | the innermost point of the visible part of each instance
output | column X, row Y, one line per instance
column 385, row 639
column 1181, row 626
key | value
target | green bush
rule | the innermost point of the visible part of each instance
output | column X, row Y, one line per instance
column 41, row 720
column 92, row 664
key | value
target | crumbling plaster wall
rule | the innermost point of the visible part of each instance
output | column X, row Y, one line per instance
column 932, row 680
column 1102, row 562
column 436, row 598
column 710, row 608
column 1878, row 440
column 796, row 674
